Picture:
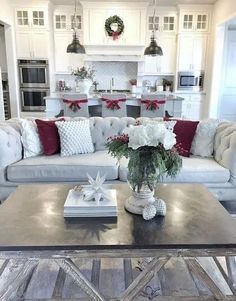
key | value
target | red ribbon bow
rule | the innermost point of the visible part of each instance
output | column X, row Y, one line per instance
column 74, row 105
column 115, row 35
column 113, row 104
column 153, row 105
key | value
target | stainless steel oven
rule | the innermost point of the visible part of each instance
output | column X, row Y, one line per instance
column 190, row 81
column 32, row 99
column 33, row 73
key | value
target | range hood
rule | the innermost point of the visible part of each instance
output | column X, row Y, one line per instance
column 114, row 54
column 129, row 45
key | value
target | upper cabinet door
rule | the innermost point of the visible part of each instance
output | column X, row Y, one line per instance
column 202, row 22
column 185, row 53
column 31, row 18
column 96, row 24
column 192, row 52
column 132, row 22
column 199, row 52
column 165, row 22
column 60, row 22
column 194, row 21
column 168, row 60
column 22, row 18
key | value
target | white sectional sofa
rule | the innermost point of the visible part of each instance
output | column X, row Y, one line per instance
column 218, row 172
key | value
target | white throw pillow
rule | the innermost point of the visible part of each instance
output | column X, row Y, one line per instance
column 203, row 141
column 75, row 137
column 30, row 138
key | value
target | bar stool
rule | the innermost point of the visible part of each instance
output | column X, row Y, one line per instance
column 152, row 105
column 113, row 105
column 75, row 105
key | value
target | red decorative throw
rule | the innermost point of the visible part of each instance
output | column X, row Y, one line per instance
column 153, row 105
column 74, row 105
column 185, row 131
column 49, row 136
column 113, row 104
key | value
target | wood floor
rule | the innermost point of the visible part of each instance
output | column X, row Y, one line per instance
column 49, row 282
column 110, row 276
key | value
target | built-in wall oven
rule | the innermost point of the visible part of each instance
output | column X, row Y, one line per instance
column 190, row 81
column 33, row 99
column 34, row 84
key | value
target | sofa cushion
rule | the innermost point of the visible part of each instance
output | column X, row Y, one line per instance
column 75, row 137
column 194, row 170
column 185, row 131
column 48, row 134
column 58, row 169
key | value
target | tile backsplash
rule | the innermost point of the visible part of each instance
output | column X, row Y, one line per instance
column 121, row 72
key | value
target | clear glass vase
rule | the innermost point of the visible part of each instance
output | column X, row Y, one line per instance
column 142, row 178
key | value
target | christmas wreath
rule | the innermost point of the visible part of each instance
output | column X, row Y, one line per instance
column 120, row 26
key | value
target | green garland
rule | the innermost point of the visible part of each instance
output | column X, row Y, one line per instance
column 112, row 33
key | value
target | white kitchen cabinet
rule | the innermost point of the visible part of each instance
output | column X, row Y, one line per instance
column 191, row 107
column 192, row 52
column 29, row 18
column 194, row 21
column 133, row 21
column 163, row 22
column 64, row 21
column 64, row 61
column 32, row 44
column 162, row 64
column 96, row 31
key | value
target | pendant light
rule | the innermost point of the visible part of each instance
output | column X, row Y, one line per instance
column 75, row 46
column 153, row 49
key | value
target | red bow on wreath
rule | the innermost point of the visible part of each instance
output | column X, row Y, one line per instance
column 153, row 105
column 113, row 104
column 74, row 105
column 115, row 35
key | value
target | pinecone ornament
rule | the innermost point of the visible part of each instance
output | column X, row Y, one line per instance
column 160, row 206
column 149, row 212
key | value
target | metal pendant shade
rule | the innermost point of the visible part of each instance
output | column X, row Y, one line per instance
column 153, row 49
column 75, row 46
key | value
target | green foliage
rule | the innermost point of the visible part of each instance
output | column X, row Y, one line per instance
column 147, row 164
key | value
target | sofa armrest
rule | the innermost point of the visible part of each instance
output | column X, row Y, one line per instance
column 10, row 148
column 225, row 148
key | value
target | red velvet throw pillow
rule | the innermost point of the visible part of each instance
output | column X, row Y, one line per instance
column 49, row 136
column 185, row 131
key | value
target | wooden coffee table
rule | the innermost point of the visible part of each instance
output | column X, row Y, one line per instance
column 32, row 227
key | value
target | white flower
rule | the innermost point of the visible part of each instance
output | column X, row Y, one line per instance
column 168, row 140
column 151, row 134
column 137, row 136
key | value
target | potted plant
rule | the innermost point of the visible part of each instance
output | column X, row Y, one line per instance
column 84, row 79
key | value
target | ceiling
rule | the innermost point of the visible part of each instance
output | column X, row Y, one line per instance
column 159, row 2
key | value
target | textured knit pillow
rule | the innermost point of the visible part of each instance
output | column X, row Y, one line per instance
column 203, row 141
column 185, row 131
column 75, row 137
column 32, row 145
column 49, row 136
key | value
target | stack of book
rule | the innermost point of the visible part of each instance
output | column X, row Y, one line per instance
column 75, row 206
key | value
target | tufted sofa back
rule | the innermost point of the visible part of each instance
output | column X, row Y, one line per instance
column 101, row 128
column 225, row 147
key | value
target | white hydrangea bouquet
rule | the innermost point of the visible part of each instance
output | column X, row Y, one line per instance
column 151, row 153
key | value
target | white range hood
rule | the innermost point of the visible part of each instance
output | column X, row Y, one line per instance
column 129, row 46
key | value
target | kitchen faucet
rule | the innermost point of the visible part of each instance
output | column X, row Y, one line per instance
column 111, row 84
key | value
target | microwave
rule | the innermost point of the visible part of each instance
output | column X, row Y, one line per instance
column 33, row 73
column 190, row 81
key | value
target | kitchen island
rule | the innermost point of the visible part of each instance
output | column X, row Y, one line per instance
column 54, row 104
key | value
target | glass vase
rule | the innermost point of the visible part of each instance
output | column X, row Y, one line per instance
column 142, row 178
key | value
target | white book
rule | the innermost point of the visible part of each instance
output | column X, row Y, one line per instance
column 76, row 206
